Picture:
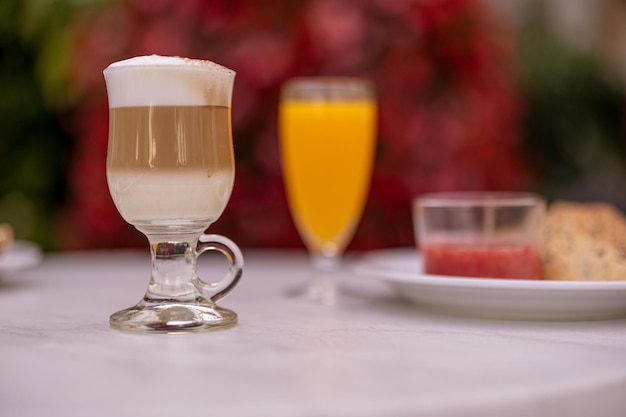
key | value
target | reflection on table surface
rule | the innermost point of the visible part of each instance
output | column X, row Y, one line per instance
column 369, row 355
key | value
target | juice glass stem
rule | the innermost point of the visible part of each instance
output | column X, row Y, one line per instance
column 326, row 262
column 323, row 287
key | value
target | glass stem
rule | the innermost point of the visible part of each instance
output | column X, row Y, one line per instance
column 326, row 263
column 323, row 286
column 173, row 268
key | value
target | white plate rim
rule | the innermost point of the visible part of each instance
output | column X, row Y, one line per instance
column 19, row 255
column 375, row 264
column 493, row 298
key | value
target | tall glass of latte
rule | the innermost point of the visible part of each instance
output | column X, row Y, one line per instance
column 170, row 171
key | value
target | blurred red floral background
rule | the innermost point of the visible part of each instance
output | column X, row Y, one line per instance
column 445, row 74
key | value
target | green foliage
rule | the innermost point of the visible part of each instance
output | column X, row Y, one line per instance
column 573, row 122
column 33, row 145
column 47, row 26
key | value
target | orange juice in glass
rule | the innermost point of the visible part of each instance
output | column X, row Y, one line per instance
column 327, row 142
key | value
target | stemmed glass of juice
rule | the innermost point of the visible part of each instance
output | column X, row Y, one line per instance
column 327, row 131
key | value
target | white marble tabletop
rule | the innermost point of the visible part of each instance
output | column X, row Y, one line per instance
column 369, row 355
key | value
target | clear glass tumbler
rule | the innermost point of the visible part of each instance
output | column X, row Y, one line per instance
column 480, row 234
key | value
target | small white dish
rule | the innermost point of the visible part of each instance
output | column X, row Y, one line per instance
column 494, row 298
column 17, row 256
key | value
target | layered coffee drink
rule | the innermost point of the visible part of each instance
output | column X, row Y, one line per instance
column 170, row 170
column 170, row 157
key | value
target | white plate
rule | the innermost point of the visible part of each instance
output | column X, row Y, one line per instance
column 17, row 256
column 495, row 298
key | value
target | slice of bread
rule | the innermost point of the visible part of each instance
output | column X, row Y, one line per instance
column 584, row 241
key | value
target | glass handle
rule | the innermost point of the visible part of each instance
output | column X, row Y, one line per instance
column 216, row 291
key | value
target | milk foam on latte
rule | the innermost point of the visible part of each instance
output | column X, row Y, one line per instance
column 163, row 80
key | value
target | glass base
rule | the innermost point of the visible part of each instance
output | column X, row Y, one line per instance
column 320, row 289
column 168, row 316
